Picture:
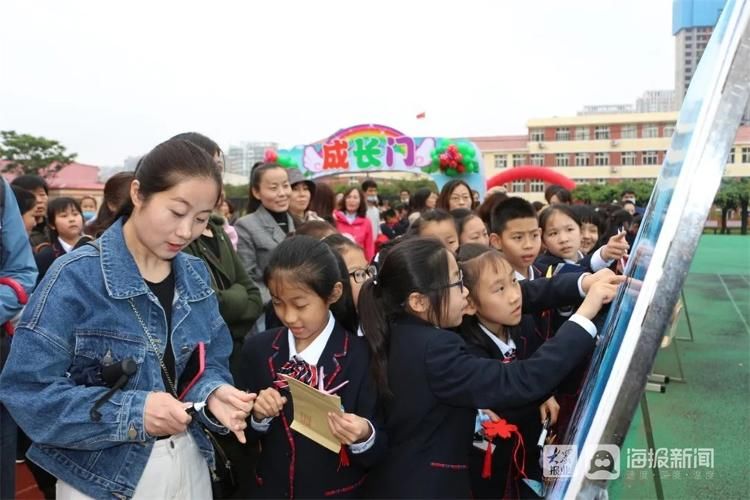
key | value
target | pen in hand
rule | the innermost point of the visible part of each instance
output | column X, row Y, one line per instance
column 194, row 408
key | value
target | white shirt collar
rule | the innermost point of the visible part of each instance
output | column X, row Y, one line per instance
column 521, row 277
column 311, row 354
column 504, row 348
column 64, row 245
column 580, row 258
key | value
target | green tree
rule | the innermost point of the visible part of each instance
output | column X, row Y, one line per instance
column 595, row 194
column 741, row 188
column 726, row 199
column 28, row 154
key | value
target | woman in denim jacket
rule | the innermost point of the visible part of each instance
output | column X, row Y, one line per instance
column 132, row 295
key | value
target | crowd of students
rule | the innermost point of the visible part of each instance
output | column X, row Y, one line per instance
column 453, row 331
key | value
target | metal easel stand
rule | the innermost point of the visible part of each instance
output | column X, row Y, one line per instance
column 651, row 446
column 690, row 337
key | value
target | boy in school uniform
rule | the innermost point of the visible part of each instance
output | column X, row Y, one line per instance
column 515, row 231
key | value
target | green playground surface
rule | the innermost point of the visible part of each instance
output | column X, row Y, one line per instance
column 712, row 408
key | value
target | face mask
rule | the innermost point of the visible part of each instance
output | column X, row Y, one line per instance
column 87, row 215
column 372, row 199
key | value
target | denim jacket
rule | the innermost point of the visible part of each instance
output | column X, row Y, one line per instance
column 80, row 318
column 16, row 259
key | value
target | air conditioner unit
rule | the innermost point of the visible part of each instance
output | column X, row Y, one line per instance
column 613, row 169
column 540, row 145
column 614, row 143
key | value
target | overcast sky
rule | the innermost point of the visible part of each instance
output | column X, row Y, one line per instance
column 112, row 79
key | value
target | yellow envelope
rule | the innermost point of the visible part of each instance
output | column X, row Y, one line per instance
column 311, row 408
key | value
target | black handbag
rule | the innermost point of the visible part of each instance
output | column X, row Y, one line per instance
column 223, row 480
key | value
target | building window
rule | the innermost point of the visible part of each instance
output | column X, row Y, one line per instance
column 561, row 160
column 650, row 130
column 537, row 159
column 537, row 186
column 731, row 156
column 518, row 160
column 601, row 132
column 518, row 186
column 668, row 131
column 582, row 159
column 501, row 161
column 582, row 134
column 562, row 134
column 629, row 132
column 628, row 158
column 650, row 158
column 601, row 159
column 536, row 134
column 745, row 155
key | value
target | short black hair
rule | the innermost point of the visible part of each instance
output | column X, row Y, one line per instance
column 369, row 183
column 507, row 210
column 26, row 199
column 434, row 215
column 30, row 183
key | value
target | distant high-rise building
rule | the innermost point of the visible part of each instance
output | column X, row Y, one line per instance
column 600, row 109
column 240, row 159
column 234, row 160
column 693, row 22
column 655, row 101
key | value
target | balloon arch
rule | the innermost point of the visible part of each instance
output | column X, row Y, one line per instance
column 531, row 172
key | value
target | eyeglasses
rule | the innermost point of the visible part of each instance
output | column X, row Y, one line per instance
column 459, row 283
column 362, row 275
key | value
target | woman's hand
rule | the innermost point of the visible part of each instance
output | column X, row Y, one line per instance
column 231, row 406
column 349, row 428
column 163, row 415
column 269, row 403
column 549, row 409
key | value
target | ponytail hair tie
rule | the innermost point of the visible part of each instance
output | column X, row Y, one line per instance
column 374, row 282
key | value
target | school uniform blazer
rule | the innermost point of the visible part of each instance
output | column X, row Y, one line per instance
column 502, row 482
column 290, row 464
column 258, row 234
column 437, row 386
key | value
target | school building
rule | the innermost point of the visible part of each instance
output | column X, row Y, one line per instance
column 595, row 148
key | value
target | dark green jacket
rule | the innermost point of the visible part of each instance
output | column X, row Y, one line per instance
column 238, row 296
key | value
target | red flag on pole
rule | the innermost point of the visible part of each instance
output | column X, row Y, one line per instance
column 422, row 115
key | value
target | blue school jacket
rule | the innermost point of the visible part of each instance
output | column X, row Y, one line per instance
column 437, row 386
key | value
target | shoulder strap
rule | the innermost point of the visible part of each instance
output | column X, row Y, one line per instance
column 95, row 244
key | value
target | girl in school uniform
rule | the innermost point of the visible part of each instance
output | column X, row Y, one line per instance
column 305, row 279
column 561, row 235
column 492, row 329
column 65, row 228
column 430, row 384
column 268, row 221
